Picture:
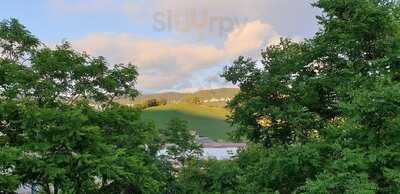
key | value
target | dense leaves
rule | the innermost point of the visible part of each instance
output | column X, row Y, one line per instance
column 326, row 110
column 321, row 116
column 60, row 129
column 210, row 176
column 181, row 143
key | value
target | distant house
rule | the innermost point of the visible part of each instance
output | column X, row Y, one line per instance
column 27, row 189
column 214, row 150
column 219, row 151
column 217, row 100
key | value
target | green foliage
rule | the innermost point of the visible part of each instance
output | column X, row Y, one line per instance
column 181, row 141
column 210, row 176
column 63, row 148
column 322, row 116
column 335, row 97
column 277, row 93
column 60, row 129
column 153, row 102
column 17, row 43
column 341, row 183
column 192, row 99
column 9, row 181
column 66, row 75
column 278, row 169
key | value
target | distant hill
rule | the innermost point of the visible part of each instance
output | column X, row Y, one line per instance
column 213, row 97
column 209, row 121
column 208, row 117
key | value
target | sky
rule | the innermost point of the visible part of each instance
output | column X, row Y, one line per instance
column 177, row 45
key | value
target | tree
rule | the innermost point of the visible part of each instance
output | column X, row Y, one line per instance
column 154, row 102
column 210, row 176
column 193, row 99
column 59, row 126
column 9, row 182
column 321, row 116
column 17, row 42
column 337, row 92
column 181, row 142
column 163, row 101
column 151, row 103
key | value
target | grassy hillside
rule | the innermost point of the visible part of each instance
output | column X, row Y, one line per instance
column 210, row 121
column 176, row 97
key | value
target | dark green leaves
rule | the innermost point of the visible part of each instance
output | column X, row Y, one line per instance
column 59, row 126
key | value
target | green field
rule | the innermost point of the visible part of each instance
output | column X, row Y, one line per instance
column 210, row 121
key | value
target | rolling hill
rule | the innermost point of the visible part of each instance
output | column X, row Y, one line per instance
column 212, row 97
column 209, row 117
column 209, row 121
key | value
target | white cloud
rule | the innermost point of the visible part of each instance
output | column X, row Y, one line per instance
column 232, row 28
column 245, row 39
column 150, row 54
column 168, row 64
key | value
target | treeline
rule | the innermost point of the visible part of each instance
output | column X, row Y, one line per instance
column 320, row 116
column 161, row 102
column 152, row 103
column 221, row 93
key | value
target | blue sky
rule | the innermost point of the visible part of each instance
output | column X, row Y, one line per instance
column 177, row 45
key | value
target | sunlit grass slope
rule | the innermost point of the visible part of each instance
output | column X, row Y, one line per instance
column 210, row 121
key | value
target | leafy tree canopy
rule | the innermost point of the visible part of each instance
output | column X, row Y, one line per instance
column 60, row 129
column 325, row 110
